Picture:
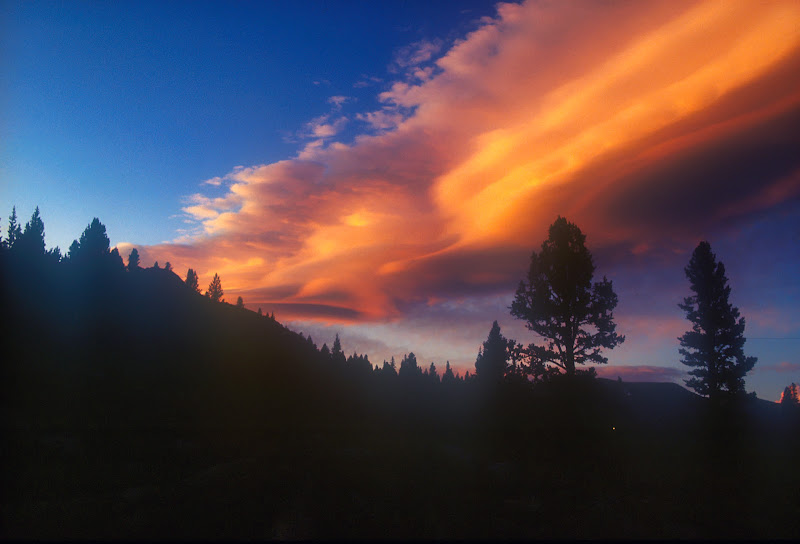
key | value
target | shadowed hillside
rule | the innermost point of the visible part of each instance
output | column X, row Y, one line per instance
column 134, row 407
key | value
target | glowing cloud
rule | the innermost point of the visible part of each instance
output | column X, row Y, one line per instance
column 602, row 113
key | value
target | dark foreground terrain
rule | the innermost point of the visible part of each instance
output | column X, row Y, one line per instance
column 133, row 408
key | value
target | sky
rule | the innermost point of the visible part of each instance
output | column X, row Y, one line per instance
column 383, row 170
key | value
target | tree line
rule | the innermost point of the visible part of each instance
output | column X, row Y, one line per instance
column 572, row 315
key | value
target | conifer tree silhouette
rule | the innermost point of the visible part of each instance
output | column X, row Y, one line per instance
column 448, row 376
column 92, row 248
column 433, row 374
column 559, row 302
column 14, row 229
column 115, row 259
column 31, row 241
column 133, row 260
column 408, row 366
column 791, row 395
column 715, row 345
column 192, row 281
column 336, row 352
column 492, row 361
column 215, row 291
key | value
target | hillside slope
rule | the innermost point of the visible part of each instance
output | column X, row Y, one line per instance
column 133, row 407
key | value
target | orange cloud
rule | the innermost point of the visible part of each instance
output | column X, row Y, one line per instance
column 606, row 114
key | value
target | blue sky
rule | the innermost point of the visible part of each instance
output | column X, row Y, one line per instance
column 384, row 169
column 110, row 106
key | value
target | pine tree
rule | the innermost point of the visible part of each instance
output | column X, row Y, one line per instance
column 408, row 366
column 74, row 251
column 215, row 291
column 559, row 302
column 448, row 376
column 31, row 241
column 715, row 345
column 239, row 302
column 94, row 242
column 115, row 259
column 791, row 395
column 192, row 281
column 389, row 369
column 492, row 362
column 133, row 260
column 336, row 352
column 433, row 374
column 14, row 230
column 325, row 352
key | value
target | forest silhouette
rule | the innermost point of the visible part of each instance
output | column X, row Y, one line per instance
column 134, row 405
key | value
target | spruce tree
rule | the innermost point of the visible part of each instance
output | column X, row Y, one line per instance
column 492, row 361
column 192, row 281
column 94, row 242
column 336, row 352
column 215, row 291
column 433, row 373
column 14, row 230
column 133, row 260
column 408, row 366
column 31, row 241
column 714, row 348
column 791, row 395
column 325, row 352
column 448, row 376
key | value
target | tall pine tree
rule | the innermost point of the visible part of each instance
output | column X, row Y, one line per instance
column 14, row 229
column 560, row 303
column 31, row 241
column 133, row 260
column 791, row 395
column 714, row 348
column 490, row 366
column 336, row 352
column 215, row 291
column 192, row 281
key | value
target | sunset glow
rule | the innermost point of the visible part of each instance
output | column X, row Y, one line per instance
column 502, row 140
column 651, row 125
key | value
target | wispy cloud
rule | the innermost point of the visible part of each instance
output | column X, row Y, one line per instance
column 415, row 54
column 615, row 116
column 325, row 127
column 338, row 101
column 367, row 81
column 784, row 367
column 215, row 181
column 384, row 119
